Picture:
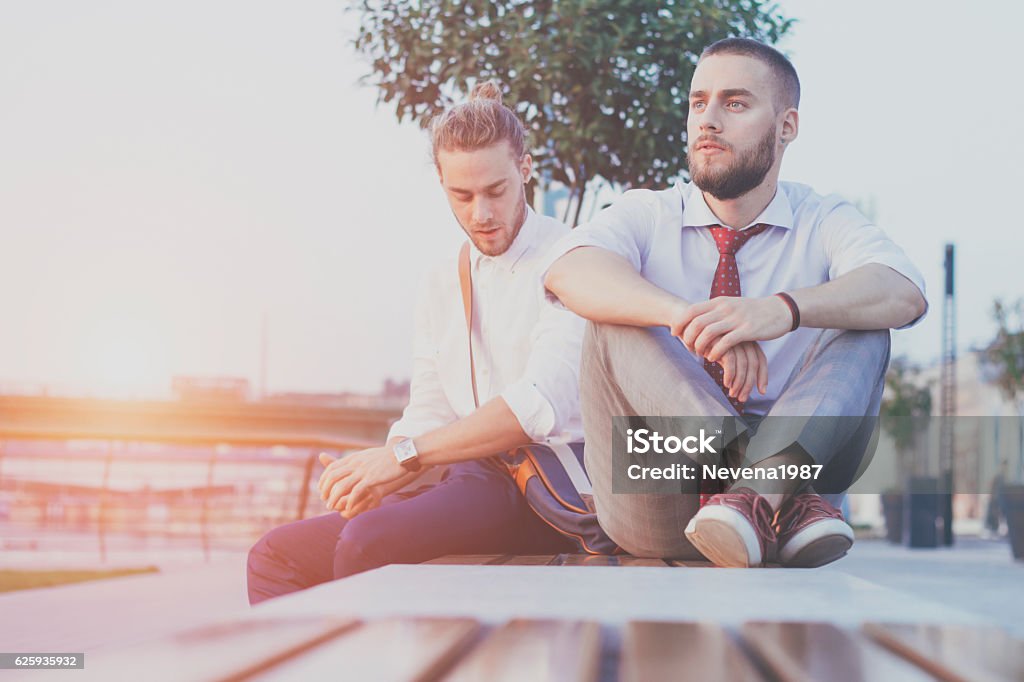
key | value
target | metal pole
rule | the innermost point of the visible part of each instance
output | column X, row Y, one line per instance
column 204, row 521
column 264, row 350
column 104, row 491
column 947, row 446
column 304, row 490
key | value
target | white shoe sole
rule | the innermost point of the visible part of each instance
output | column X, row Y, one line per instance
column 819, row 544
column 725, row 537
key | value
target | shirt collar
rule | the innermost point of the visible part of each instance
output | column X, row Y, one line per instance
column 520, row 245
column 696, row 212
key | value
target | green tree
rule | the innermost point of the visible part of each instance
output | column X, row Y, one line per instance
column 906, row 408
column 601, row 85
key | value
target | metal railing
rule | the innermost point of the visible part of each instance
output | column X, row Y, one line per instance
column 227, row 488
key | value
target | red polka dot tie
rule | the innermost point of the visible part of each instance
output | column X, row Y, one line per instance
column 725, row 283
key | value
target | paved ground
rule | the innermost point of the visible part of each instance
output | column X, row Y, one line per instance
column 975, row 576
column 87, row 616
column 974, row 582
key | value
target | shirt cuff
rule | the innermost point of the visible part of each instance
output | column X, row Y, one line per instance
column 906, row 269
column 563, row 246
column 533, row 411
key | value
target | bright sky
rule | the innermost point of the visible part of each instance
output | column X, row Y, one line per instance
column 172, row 172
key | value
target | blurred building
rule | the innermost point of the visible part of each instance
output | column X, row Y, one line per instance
column 210, row 389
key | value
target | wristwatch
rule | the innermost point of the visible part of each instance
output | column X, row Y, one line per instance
column 405, row 453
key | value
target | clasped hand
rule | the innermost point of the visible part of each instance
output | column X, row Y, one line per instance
column 726, row 330
column 356, row 483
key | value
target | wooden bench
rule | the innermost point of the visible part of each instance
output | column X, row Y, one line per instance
column 565, row 560
column 465, row 649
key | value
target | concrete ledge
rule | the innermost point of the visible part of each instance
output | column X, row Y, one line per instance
column 614, row 595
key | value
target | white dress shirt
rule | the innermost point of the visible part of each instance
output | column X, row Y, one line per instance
column 524, row 350
column 813, row 239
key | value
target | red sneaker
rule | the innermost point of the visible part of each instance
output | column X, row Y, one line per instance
column 811, row 532
column 734, row 529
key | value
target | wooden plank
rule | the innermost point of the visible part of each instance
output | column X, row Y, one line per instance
column 626, row 560
column 608, row 560
column 224, row 651
column 588, row 560
column 704, row 563
column 548, row 560
column 531, row 560
column 392, row 649
column 690, row 563
column 535, row 650
column 677, row 651
column 469, row 560
column 807, row 652
column 954, row 652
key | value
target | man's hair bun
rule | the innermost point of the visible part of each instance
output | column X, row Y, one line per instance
column 477, row 123
column 486, row 90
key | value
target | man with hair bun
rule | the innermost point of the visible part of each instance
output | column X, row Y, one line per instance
column 702, row 293
column 526, row 358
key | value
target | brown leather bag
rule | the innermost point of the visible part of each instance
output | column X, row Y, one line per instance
column 551, row 477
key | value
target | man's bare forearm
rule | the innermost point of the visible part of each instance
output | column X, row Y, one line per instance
column 873, row 296
column 490, row 429
column 602, row 286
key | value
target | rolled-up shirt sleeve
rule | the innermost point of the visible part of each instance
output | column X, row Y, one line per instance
column 851, row 241
column 428, row 406
column 624, row 228
column 545, row 399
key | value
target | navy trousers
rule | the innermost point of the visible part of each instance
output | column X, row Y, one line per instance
column 476, row 509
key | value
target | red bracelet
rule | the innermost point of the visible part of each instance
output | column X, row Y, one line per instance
column 793, row 309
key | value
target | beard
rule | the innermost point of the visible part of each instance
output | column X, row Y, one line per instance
column 501, row 247
column 744, row 174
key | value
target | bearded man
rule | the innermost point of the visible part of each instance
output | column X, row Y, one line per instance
column 702, row 293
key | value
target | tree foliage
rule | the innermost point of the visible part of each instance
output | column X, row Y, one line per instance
column 906, row 408
column 1005, row 354
column 601, row 85
column 1004, row 361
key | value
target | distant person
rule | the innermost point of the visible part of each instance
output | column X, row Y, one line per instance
column 526, row 356
column 994, row 511
column 702, row 293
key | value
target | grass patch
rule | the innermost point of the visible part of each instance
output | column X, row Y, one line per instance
column 11, row 580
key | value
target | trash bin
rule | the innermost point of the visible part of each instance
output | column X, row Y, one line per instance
column 922, row 511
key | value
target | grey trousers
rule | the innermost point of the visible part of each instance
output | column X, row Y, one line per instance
column 630, row 371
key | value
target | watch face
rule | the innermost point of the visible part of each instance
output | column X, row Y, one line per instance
column 405, row 451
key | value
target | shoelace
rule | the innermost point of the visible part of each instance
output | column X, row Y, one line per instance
column 763, row 515
column 760, row 510
column 798, row 505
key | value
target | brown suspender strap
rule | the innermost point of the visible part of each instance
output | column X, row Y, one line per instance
column 466, row 284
